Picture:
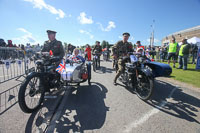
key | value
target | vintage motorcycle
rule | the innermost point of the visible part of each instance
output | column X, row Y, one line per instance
column 96, row 61
column 140, row 72
column 44, row 77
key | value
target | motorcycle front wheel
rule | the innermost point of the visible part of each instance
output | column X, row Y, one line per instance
column 94, row 63
column 144, row 88
column 31, row 93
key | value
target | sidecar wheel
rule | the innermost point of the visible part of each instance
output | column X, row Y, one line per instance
column 89, row 82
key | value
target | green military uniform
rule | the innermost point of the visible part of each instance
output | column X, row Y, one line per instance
column 121, row 49
column 97, row 48
column 55, row 46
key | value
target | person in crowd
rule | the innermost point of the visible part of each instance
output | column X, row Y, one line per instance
column 76, row 56
column 37, row 48
column 10, row 43
column 172, row 52
column 161, row 53
column 120, row 49
column 184, row 54
column 194, row 53
column 2, row 43
column 165, row 49
column 22, row 47
column 88, row 52
column 70, row 48
column 53, row 45
column 138, row 43
column 97, row 50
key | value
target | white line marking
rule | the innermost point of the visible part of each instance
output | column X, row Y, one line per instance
column 152, row 112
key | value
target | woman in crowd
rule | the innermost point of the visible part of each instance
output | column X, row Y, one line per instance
column 88, row 52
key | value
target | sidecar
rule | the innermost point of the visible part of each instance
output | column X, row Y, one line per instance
column 77, row 72
column 159, row 69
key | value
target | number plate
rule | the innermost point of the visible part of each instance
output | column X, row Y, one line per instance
column 133, row 58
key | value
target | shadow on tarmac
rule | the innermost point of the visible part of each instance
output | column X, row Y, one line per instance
column 40, row 119
column 181, row 105
column 103, row 70
column 84, row 110
column 9, row 98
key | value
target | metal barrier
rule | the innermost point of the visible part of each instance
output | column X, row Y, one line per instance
column 13, row 63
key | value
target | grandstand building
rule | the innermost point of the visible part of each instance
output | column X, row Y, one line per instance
column 187, row 34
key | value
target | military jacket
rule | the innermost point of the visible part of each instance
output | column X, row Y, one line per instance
column 55, row 46
column 120, row 48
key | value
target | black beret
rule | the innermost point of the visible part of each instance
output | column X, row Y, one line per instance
column 51, row 32
column 126, row 33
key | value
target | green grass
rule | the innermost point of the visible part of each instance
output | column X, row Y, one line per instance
column 190, row 76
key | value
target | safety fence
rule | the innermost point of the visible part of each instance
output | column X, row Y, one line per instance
column 14, row 63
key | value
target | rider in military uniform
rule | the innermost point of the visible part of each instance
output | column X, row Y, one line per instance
column 97, row 50
column 54, row 45
column 57, row 50
column 120, row 49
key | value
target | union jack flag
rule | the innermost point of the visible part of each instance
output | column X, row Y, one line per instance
column 61, row 68
column 75, row 59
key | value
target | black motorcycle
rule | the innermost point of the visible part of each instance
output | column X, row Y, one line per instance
column 140, row 72
column 42, row 79
column 96, row 61
column 137, row 76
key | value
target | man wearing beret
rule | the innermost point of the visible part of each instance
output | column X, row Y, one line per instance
column 120, row 49
column 53, row 45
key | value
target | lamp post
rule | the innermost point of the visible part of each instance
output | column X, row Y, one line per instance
column 153, row 26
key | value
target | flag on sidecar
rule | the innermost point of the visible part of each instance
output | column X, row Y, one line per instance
column 61, row 68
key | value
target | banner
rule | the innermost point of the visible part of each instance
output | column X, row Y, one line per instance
column 19, row 62
column 198, row 60
column 7, row 63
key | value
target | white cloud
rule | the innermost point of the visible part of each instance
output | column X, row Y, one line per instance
column 41, row 4
column 83, row 18
column 87, row 33
column 111, row 25
column 132, row 38
column 120, row 37
column 27, row 38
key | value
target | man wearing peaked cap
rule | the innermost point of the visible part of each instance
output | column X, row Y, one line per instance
column 126, row 34
column 120, row 49
column 53, row 45
column 51, row 32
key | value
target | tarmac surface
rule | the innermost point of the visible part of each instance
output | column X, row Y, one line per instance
column 104, row 108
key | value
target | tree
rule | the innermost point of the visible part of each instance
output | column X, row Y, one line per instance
column 103, row 44
column 65, row 45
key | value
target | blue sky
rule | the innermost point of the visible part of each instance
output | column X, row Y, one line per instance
column 84, row 21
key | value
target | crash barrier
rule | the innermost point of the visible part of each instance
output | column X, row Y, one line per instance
column 14, row 63
column 8, row 97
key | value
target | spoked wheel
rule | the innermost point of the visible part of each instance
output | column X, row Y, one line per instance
column 89, row 74
column 94, row 65
column 144, row 89
column 31, row 94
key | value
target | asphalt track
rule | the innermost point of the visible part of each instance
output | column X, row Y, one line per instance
column 105, row 108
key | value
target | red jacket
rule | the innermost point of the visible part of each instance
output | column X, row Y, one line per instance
column 88, row 50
